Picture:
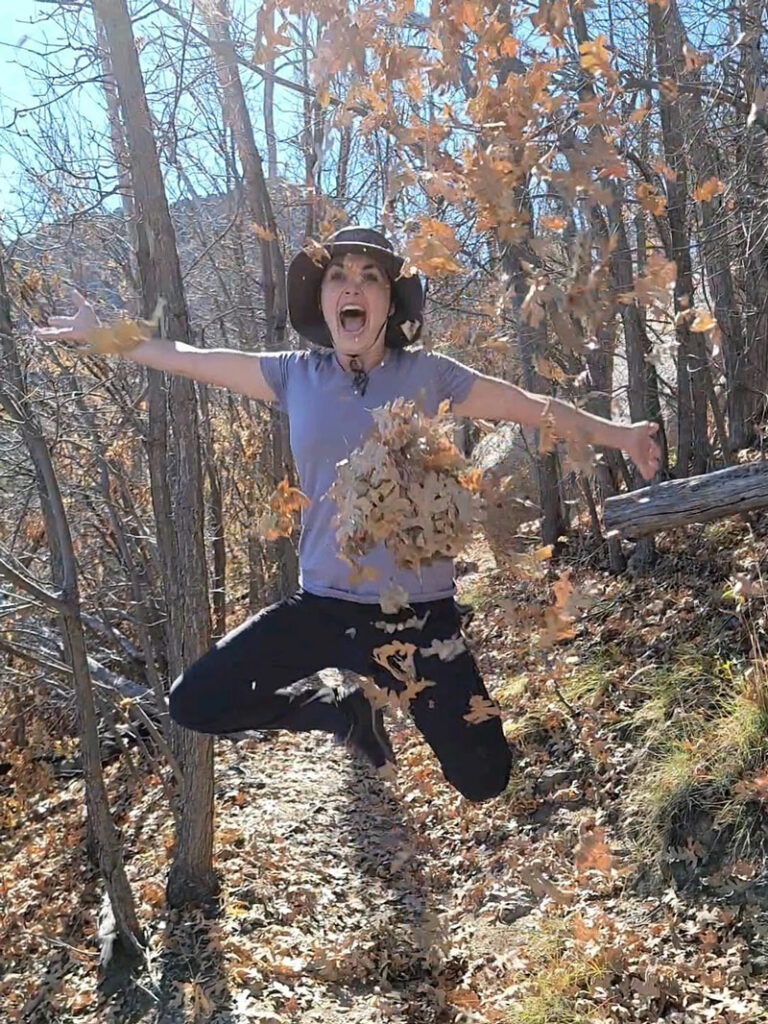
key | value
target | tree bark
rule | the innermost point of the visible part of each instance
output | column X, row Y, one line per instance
column 692, row 443
column 698, row 499
column 753, row 15
column 177, row 481
column 15, row 400
column 236, row 114
column 715, row 241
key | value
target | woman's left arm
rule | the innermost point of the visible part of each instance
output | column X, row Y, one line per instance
column 493, row 399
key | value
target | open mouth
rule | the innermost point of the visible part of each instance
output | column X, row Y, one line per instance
column 353, row 318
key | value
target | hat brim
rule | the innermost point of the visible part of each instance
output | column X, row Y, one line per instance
column 305, row 274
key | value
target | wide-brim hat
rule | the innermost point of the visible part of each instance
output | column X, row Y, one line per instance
column 305, row 275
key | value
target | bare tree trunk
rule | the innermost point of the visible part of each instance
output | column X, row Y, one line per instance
column 269, row 106
column 530, row 341
column 715, row 242
column 15, row 400
column 692, row 443
column 272, row 263
column 342, row 167
column 117, row 138
column 753, row 16
column 178, row 507
column 216, row 519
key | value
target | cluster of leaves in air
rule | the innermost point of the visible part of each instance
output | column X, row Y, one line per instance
column 408, row 487
column 475, row 105
column 283, row 503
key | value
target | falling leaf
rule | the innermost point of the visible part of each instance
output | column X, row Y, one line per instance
column 552, row 18
column 595, row 58
column 481, row 709
column 120, row 336
column 549, row 370
column 665, row 170
column 695, row 59
column 283, row 503
column 446, row 650
column 363, row 574
column 650, row 199
column 703, row 321
column 669, row 90
column 579, row 455
column 543, row 886
column 708, row 189
column 592, row 852
column 316, row 252
column 393, row 599
column 547, row 437
column 553, row 223
column 433, row 248
column 397, row 658
column 263, row 233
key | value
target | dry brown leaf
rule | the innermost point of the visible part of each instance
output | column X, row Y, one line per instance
column 703, row 320
column 650, row 199
column 592, row 852
column 284, row 501
column 481, row 709
column 446, row 650
column 397, row 658
column 547, row 436
column 595, row 58
column 708, row 189
column 393, row 598
column 264, row 234
column 120, row 336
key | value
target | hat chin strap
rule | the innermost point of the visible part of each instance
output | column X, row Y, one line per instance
column 360, row 374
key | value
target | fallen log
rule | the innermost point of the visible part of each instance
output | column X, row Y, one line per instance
column 697, row 499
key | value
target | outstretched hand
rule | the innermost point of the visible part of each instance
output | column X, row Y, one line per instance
column 644, row 449
column 78, row 328
column 86, row 330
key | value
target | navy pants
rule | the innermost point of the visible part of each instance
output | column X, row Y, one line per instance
column 247, row 680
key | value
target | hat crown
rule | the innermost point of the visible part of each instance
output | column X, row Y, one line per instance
column 362, row 236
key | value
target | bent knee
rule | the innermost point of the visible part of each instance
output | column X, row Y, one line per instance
column 185, row 704
column 480, row 782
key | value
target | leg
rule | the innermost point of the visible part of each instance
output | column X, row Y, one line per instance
column 474, row 756
column 237, row 685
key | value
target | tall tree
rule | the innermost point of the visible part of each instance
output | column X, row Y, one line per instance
column 175, row 469
column 692, row 442
column 237, row 116
column 16, row 401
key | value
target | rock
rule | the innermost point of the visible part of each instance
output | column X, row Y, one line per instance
column 510, row 912
column 509, row 489
column 552, row 779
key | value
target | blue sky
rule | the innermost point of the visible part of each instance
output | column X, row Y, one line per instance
column 25, row 28
column 26, row 31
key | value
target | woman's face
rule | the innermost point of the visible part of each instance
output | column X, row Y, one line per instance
column 355, row 301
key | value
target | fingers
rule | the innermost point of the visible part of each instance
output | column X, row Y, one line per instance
column 79, row 300
column 52, row 332
column 60, row 321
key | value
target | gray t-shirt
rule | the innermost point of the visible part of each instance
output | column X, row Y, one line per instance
column 327, row 422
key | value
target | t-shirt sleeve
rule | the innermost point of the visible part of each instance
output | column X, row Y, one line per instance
column 454, row 379
column 276, row 367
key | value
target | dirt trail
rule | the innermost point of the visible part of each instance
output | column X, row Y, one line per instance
column 351, row 898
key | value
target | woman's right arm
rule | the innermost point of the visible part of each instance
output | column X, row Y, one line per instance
column 224, row 367
column 227, row 368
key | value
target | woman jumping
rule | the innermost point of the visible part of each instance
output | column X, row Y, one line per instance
column 363, row 318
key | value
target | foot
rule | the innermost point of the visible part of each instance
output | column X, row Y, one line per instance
column 366, row 734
